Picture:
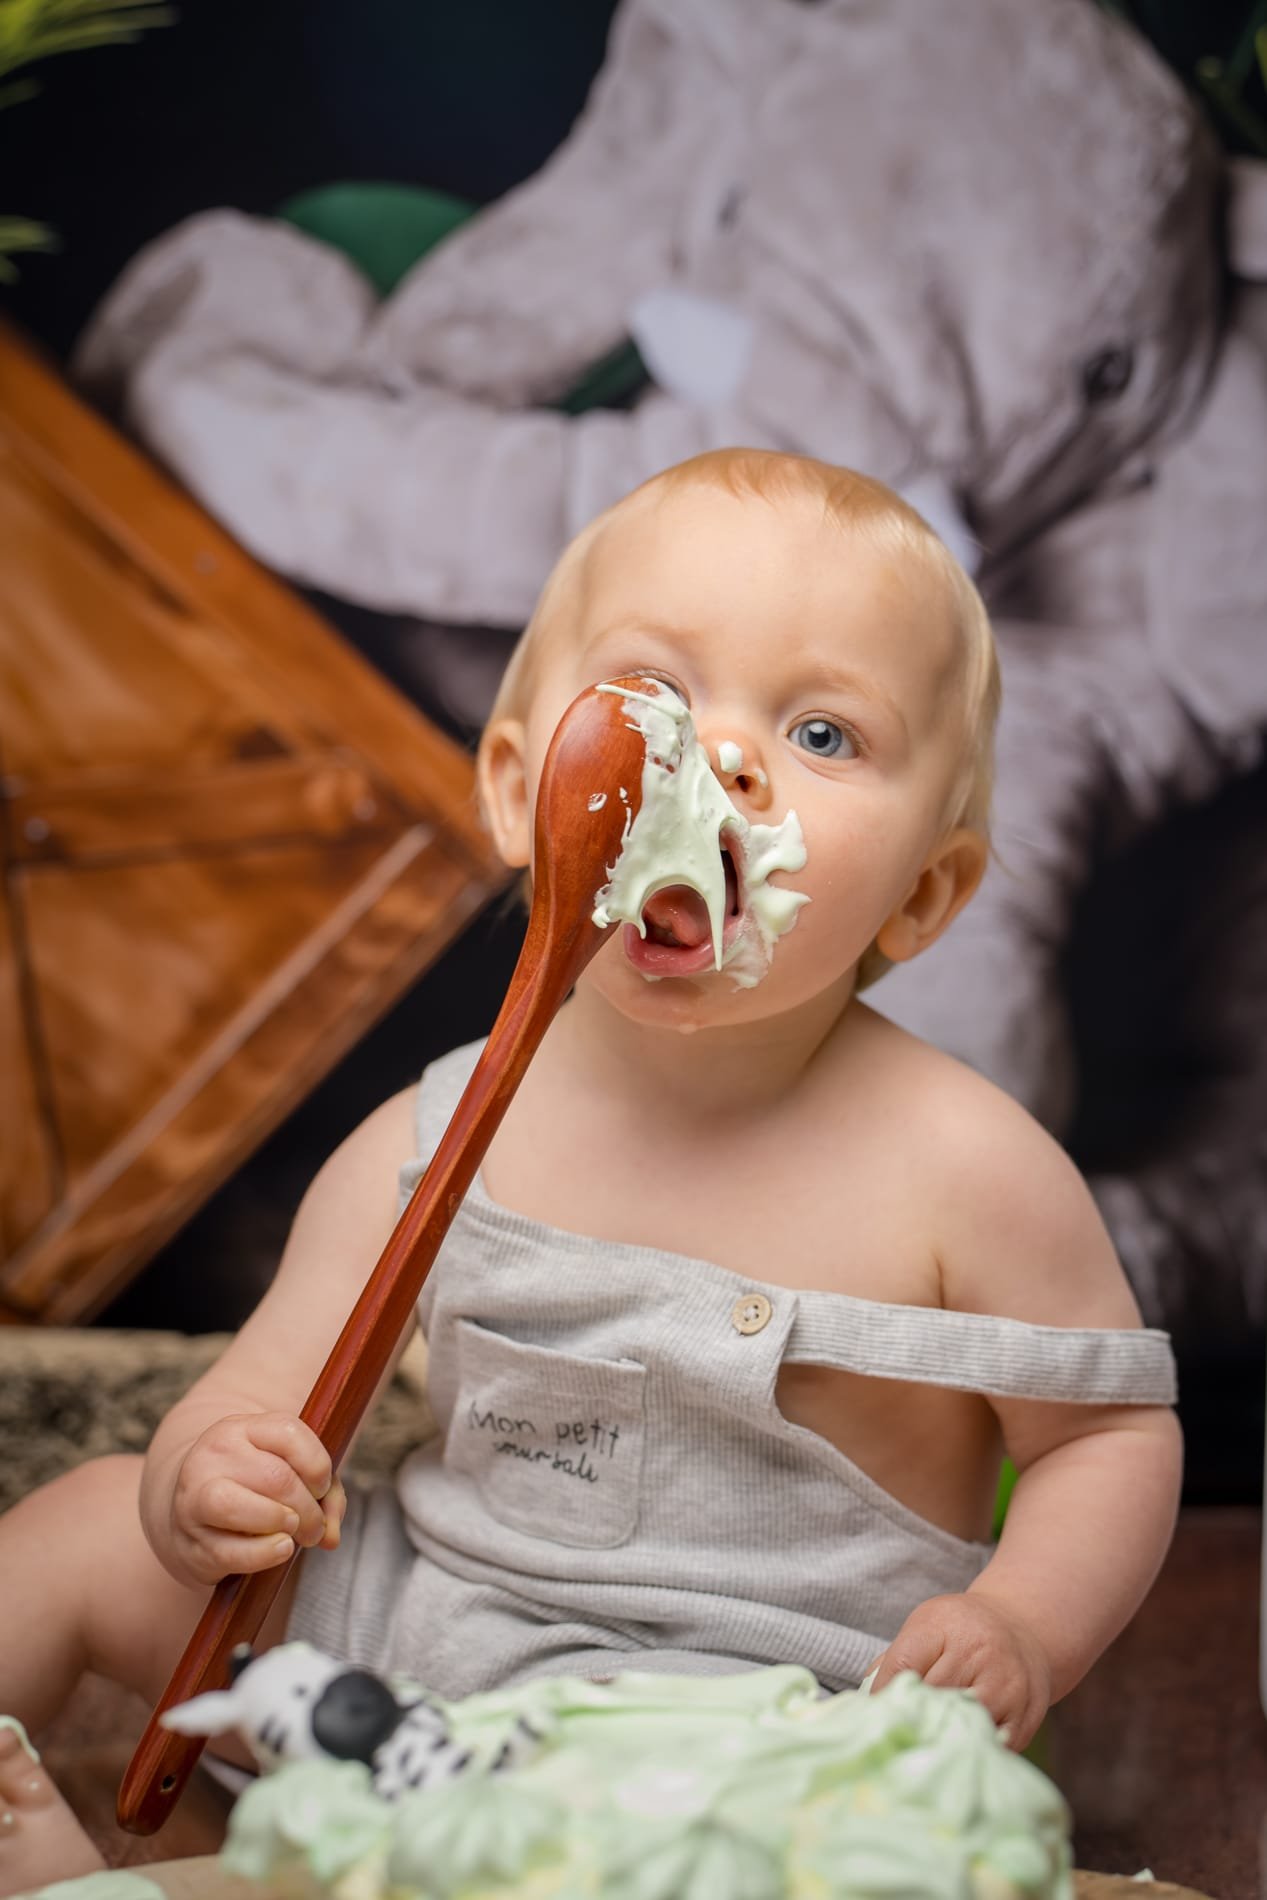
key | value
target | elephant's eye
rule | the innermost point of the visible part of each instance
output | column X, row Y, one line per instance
column 1107, row 373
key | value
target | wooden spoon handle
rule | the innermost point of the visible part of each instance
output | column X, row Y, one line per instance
column 163, row 1761
column 575, row 842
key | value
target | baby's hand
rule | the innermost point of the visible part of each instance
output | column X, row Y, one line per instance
column 248, row 1491
column 968, row 1642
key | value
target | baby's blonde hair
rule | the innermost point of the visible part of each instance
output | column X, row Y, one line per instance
column 853, row 501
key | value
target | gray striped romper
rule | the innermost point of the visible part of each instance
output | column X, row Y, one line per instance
column 613, row 1485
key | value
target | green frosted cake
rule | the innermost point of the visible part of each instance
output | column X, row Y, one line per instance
column 742, row 1787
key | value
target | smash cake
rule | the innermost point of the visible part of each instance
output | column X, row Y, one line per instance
column 753, row 1786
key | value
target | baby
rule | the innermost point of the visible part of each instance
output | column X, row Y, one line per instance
column 755, row 1290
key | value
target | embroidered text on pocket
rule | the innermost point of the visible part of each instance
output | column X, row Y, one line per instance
column 553, row 1442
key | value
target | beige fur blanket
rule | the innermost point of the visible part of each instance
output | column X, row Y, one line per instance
column 67, row 1395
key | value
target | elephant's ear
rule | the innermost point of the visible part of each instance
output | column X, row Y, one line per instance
column 1206, row 576
column 1247, row 219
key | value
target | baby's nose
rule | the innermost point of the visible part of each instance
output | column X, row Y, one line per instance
column 739, row 767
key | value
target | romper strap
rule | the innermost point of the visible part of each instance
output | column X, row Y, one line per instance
column 976, row 1352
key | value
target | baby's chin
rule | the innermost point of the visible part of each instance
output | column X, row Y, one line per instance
column 683, row 1003
column 709, row 1000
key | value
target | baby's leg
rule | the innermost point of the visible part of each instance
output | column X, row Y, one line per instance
column 40, row 1839
column 80, row 1590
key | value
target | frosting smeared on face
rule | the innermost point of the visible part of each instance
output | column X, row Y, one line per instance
column 680, row 842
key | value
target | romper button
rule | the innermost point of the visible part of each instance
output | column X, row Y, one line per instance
column 751, row 1313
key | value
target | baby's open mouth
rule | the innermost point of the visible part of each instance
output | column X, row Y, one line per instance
column 679, row 939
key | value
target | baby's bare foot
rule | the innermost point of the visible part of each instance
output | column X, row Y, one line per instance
column 40, row 1839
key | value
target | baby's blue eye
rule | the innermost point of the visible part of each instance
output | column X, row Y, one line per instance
column 823, row 737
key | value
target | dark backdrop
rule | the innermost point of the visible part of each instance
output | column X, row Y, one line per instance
column 244, row 102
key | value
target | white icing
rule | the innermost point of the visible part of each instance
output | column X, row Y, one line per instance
column 676, row 839
column 769, row 912
column 664, row 1791
column 12, row 1722
column 597, row 801
column 730, row 761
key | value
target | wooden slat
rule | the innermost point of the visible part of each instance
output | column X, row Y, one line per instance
column 263, row 1065
column 99, row 669
column 142, row 971
column 288, row 648
column 113, row 816
column 29, row 1172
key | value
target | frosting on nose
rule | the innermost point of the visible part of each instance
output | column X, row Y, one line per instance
column 730, row 762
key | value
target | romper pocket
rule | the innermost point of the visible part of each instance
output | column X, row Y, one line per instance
column 554, row 1443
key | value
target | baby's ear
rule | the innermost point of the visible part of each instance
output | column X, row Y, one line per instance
column 949, row 878
column 503, row 790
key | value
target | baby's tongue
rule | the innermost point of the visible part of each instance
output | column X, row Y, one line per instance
column 677, row 914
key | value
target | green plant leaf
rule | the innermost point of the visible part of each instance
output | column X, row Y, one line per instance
column 22, row 234
column 37, row 29
column 1226, row 101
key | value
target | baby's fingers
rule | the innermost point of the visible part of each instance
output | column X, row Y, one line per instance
column 289, row 1438
column 220, row 1554
column 334, row 1508
column 918, row 1645
column 293, row 1465
column 228, row 1505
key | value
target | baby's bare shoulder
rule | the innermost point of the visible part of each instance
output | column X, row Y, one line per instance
column 1016, row 1229
column 379, row 1146
column 344, row 1221
column 351, row 1204
column 934, row 1089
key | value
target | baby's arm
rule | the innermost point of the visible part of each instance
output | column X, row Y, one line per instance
column 1091, row 1516
column 233, row 1479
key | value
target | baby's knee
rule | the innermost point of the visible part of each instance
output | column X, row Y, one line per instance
column 114, row 1472
column 78, row 1499
column 100, row 1486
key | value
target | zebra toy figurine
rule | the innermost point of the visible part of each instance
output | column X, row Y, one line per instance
column 294, row 1703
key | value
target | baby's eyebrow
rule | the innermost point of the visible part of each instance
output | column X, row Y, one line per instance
column 640, row 629
column 829, row 679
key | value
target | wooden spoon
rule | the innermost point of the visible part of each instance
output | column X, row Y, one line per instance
column 577, row 838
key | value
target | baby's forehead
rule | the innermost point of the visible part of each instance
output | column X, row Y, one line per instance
column 847, row 570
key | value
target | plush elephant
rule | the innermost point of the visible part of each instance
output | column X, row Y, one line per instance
column 985, row 252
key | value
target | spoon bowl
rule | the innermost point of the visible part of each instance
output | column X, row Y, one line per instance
column 578, row 834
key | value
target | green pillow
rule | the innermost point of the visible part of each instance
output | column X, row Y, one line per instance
column 384, row 229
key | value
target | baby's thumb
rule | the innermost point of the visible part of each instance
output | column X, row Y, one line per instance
column 333, row 1508
column 881, row 1672
column 916, row 1646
